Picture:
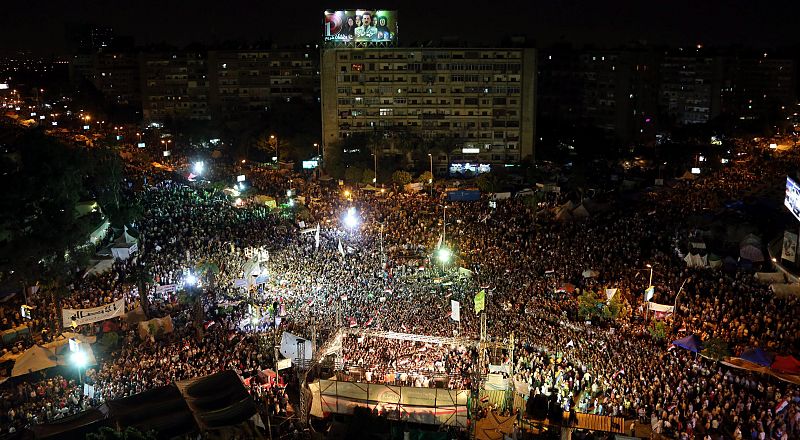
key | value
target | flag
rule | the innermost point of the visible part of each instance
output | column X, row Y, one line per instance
column 571, row 343
column 622, row 371
column 341, row 249
column 648, row 294
column 441, row 237
column 781, row 406
column 403, row 326
column 316, row 238
column 369, row 322
column 353, row 323
column 480, row 301
column 455, row 310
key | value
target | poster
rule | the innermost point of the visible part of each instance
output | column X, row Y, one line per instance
column 789, row 252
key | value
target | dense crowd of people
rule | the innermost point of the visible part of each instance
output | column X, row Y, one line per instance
column 381, row 275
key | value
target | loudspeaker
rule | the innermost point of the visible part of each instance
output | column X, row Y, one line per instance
column 555, row 413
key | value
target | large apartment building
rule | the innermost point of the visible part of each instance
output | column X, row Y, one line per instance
column 174, row 85
column 476, row 106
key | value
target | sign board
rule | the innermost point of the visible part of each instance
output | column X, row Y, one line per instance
column 360, row 25
column 240, row 178
column 167, row 288
column 284, row 364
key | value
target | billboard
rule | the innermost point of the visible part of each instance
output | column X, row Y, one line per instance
column 360, row 25
column 792, row 200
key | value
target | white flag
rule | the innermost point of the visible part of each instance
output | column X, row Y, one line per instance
column 571, row 343
column 317, row 237
column 441, row 237
column 341, row 250
column 455, row 310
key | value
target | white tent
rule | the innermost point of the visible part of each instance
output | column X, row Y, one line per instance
column 695, row 260
column 770, row 277
column 33, row 359
column 785, row 290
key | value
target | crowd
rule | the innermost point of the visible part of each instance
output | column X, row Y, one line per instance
column 380, row 275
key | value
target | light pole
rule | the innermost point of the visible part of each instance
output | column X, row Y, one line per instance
column 675, row 306
column 649, row 285
column 375, row 179
column 430, row 157
column 274, row 140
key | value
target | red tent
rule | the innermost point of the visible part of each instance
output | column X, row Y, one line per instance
column 786, row 364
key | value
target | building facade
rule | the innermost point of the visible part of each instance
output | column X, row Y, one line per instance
column 174, row 86
column 466, row 105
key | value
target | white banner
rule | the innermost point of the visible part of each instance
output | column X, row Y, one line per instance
column 88, row 316
column 167, row 288
column 455, row 310
column 284, row 364
column 661, row 307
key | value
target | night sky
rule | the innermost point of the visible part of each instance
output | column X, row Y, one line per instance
column 40, row 26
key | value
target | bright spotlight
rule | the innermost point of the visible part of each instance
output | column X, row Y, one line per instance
column 444, row 254
column 351, row 219
column 79, row 359
column 199, row 167
column 190, row 280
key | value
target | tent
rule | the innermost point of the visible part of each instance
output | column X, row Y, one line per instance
column 563, row 214
column 218, row 400
column 757, row 356
column 33, row 359
column 580, row 212
column 687, row 176
column 691, row 343
column 752, row 253
column 714, row 261
column 770, row 277
column 786, row 364
column 785, row 290
column 750, row 239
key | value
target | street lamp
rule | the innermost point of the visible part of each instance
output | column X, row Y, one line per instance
column 375, row 178
column 274, row 140
column 444, row 254
column 190, row 280
column 80, row 360
column 351, row 218
column 198, row 168
column 430, row 181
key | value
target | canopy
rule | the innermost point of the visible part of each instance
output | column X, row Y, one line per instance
column 691, row 343
column 33, row 359
column 757, row 356
column 786, row 364
column 751, row 253
column 687, row 176
column 580, row 212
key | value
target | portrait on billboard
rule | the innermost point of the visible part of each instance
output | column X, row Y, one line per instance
column 361, row 25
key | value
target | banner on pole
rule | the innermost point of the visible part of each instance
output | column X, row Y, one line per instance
column 88, row 316
column 480, row 301
column 455, row 310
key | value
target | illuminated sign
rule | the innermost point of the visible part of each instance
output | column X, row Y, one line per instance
column 792, row 200
column 470, row 150
column 310, row 164
column 3, row 86
column 461, row 168
column 240, row 178
column 695, row 170
column 140, row 145
column 360, row 25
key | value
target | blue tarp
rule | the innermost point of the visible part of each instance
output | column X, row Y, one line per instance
column 691, row 343
column 464, row 195
column 758, row 356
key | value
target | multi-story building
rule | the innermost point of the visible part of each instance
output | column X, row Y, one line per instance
column 690, row 87
column 608, row 90
column 758, row 86
column 116, row 76
column 174, row 86
column 473, row 105
column 249, row 80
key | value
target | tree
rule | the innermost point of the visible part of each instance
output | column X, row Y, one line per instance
column 425, row 177
column 353, row 174
column 43, row 237
column 487, row 182
column 716, row 348
column 589, row 304
column 658, row 331
column 368, row 177
column 401, row 177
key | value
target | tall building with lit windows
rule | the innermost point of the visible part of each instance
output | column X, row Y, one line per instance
column 464, row 105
